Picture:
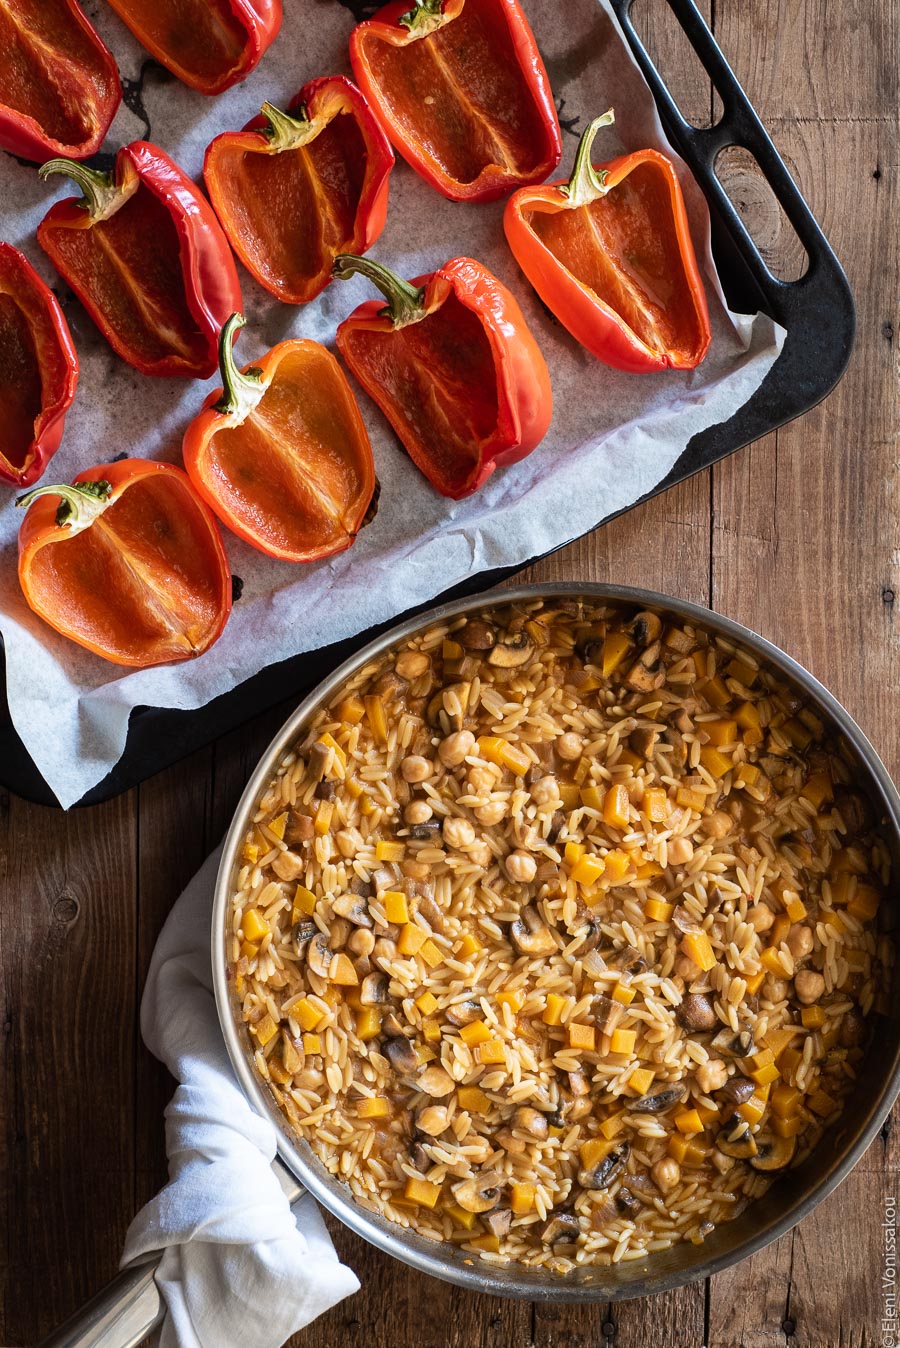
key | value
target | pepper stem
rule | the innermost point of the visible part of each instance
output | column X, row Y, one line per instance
column 424, row 17
column 587, row 184
column 285, row 132
column 81, row 503
column 404, row 300
column 101, row 197
column 241, row 390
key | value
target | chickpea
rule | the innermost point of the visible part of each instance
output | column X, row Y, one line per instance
column 521, row 867
column 415, row 870
column 809, row 986
column 800, row 941
column 666, row 1174
column 570, row 746
column 679, row 851
column 477, row 1149
column 775, row 989
column 412, row 664
column 481, row 781
column 711, row 1076
column 480, row 854
column 760, row 917
column 415, row 768
column 491, row 813
column 545, row 790
column 417, row 812
column 686, row 968
column 458, row 832
column 433, row 1120
column 453, row 750
column 361, row 941
column 348, row 842
column 721, row 1162
column 717, row 825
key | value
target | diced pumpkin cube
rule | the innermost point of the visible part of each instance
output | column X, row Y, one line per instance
column 517, row 760
column 697, row 948
column 752, row 1110
column 715, row 691
column 411, row 939
column 587, row 870
column 324, row 815
column 473, row 1100
column 351, row 710
column 614, row 649
column 422, row 1192
column 655, row 804
column 431, row 1030
column 254, row 925
column 864, row 904
column 615, row 807
column 798, row 734
column 395, row 905
column 368, row 1023
column 569, row 795
column 763, row 1058
column 688, row 1151
column 491, row 1052
column 755, row 982
column 427, row 1003
column 278, row 824
column 641, row 1080
column 594, row 1150
column 377, row 719
column 476, row 1032
column 390, row 851
column 451, row 650
column 680, row 641
column 794, row 906
column 789, row 1061
column 353, row 787
column 821, row 1103
column 813, row 1017
column 553, row 1011
column 331, row 743
column 305, row 1014
column 649, row 870
column 628, row 758
column 618, row 865
column 250, row 853
column 304, row 903
column 770, row 959
column 817, row 789
column 374, row 1107
column 688, row 1121
column 764, row 1076
column 748, row 774
column 431, row 954
column 353, row 997
column 489, row 1243
column 591, row 797
column 716, row 763
column 582, row 768
column 468, row 945
column 581, row 1036
column 779, row 929
column 788, row 1127
column 460, row 1217
column 656, row 910
column 743, row 672
column 708, row 1114
column 264, row 1029
column 573, row 853
column 721, row 734
column 785, row 1100
column 777, row 1040
column 623, row 994
column 747, row 716
column 425, row 1054
column 613, row 1125
column 341, row 970
column 521, row 1198
column 249, row 950
column 515, row 1000
column 312, row 1044
column 689, row 799
column 622, row 1041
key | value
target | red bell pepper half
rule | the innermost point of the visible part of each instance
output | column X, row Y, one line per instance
column 462, row 92
column 294, row 189
column 59, row 86
column 38, row 370
column 209, row 44
column 610, row 253
column 145, row 254
column 453, row 366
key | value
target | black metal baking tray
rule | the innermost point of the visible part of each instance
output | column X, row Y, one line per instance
column 817, row 311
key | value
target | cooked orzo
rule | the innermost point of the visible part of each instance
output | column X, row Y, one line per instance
column 556, row 937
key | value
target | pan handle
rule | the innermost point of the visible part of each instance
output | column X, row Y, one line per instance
column 129, row 1308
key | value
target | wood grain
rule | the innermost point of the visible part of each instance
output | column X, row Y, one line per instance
column 797, row 536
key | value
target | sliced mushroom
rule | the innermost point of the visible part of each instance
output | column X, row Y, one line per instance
column 338, row 932
column 736, row 1091
column 319, row 758
column 301, row 935
column 606, row 1013
column 499, row 1222
column 364, row 888
column 578, row 1084
column 590, row 936
column 648, row 673
column 392, row 686
column 645, row 627
column 299, row 828
column 557, row 823
column 631, row 961
column 505, row 1138
column 658, row 1103
column 772, row 1152
column 434, row 1081
column 853, row 1029
column 426, row 832
column 643, row 741
column 627, row 1203
column 401, row 1055
column 736, row 1140
column 602, row 1172
column 318, row 955
column 419, row 1157
column 463, row 1013
column 685, row 921
column 696, row 1012
column 325, row 790
column 479, row 1194
column 531, row 1121
column 530, row 935
column 733, row 1045
column 477, row 636
column 353, row 907
column 563, row 1226
column 373, row 990
column 514, row 651
column 604, row 1213
column 393, row 1026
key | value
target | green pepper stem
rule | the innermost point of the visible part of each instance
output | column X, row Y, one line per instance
column 101, row 197
column 285, row 132
column 425, row 17
column 81, row 503
column 241, row 390
column 404, row 300
column 587, row 184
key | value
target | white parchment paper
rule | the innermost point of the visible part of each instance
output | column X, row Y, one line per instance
column 614, row 436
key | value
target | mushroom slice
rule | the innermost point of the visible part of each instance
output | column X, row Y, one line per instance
column 318, row 955
column 393, row 1026
column 733, row 1045
column 645, row 627
column 627, row 1203
column 736, row 1140
column 563, row 1226
column 696, row 1012
column 374, row 990
column 772, row 1152
column 516, row 650
column 737, row 1090
column 631, row 961
column 401, row 1055
column 364, row 888
column 437, row 1083
column 300, row 828
column 648, row 673
column 643, row 741
column 499, row 1222
column 685, row 921
column 301, row 935
column 477, row 636
column 656, row 1104
column 426, row 832
column 578, row 1084
column 479, row 1194
column 606, row 1013
column 603, row 1171
column 319, row 758
column 463, row 1013
column 353, row 907
column 530, row 935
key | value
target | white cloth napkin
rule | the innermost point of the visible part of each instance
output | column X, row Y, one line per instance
column 240, row 1266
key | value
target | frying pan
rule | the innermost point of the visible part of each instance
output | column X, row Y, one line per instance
column 122, row 1314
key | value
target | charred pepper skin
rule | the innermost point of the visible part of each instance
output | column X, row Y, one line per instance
column 38, row 371
column 635, row 299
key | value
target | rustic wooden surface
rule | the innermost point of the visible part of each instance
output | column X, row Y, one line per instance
column 796, row 536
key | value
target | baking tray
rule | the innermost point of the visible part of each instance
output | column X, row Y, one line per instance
column 817, row 312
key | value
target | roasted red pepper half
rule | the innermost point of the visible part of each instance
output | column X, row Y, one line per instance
column 209, row 44
column 38, row 370
column 127, row 562
column 453, row 366
column 294, row 189
column 59, row 86
column 281, row 454
column 145, row 254
column 462, row 92
column 610, row 253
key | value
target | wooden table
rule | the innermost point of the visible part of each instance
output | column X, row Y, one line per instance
column 795, row 536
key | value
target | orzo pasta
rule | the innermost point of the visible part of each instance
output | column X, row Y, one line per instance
column 557, row 937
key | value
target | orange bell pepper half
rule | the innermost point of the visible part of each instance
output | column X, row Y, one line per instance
column 610, row 253
column 453, row 366
column 126, row 562
column 281, row 454
column 462, row 92
column 295, row 188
